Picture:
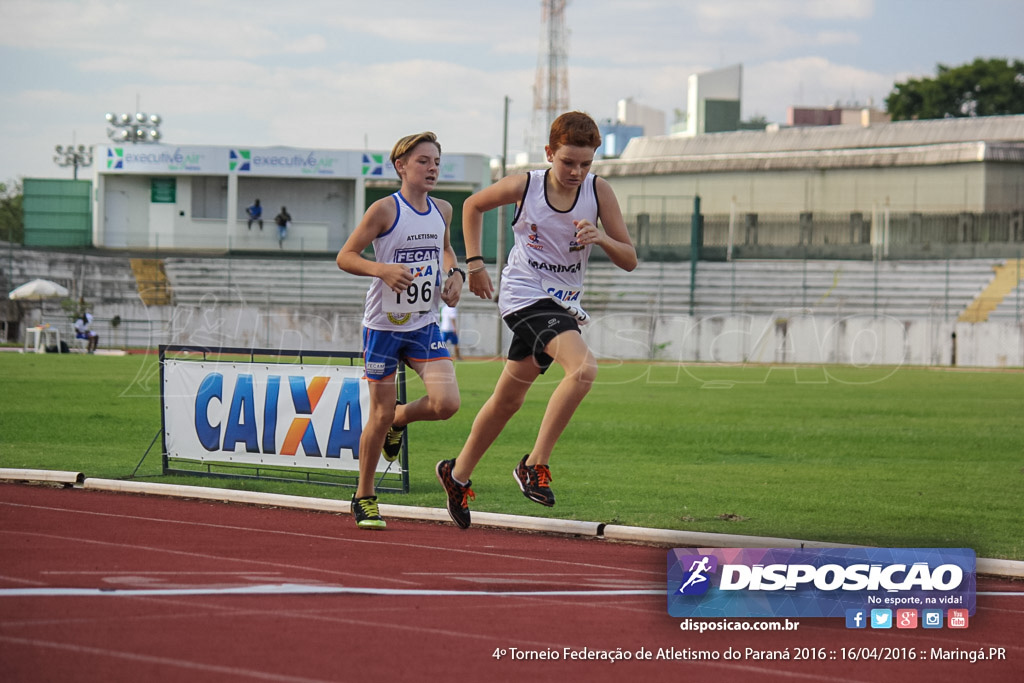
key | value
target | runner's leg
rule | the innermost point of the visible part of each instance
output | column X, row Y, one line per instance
column 382, row 414
column 442, row 399
column 572, row 353
column 516, row 379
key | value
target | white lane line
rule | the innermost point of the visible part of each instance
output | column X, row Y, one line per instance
column 304, row 589
column 207, row 556
column 301, row 589
column 383, row 542
column 16, row 579
column 114, row 572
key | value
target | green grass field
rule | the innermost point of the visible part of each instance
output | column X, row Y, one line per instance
column 900, row 457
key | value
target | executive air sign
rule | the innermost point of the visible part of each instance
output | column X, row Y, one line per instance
column 275, row 162
column 265, row 414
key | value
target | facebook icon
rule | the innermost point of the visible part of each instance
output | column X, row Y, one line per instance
column 856, row 618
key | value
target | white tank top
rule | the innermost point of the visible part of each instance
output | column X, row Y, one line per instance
column 546, row 260
column 417, row 240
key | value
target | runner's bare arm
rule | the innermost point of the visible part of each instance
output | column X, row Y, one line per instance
column 508, row 190
column 452, row 290
column 378, row 218
column 614, row 239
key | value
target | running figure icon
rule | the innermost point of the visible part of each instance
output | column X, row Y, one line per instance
column 697, row 571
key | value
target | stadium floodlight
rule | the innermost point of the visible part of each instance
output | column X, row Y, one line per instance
column 73, row 156
column 133, row 128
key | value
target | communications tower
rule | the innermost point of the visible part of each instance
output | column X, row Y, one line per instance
column 551, row 89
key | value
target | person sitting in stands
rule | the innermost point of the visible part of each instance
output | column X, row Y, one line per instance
column 83, row 331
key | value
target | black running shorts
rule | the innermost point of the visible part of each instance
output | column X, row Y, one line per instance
column 534, row 327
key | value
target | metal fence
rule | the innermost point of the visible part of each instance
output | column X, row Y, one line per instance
column 123, row 289
column 857, row 235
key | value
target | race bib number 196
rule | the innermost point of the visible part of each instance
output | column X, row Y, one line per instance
column 419, row 296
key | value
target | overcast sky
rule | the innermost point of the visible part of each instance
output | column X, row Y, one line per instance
column 352, row 74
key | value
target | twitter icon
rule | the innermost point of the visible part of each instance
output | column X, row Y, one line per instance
column 881, row 618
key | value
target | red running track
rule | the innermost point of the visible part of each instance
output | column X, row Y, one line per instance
column 136, row 588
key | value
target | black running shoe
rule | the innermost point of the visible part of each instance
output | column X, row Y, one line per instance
column 457, row 493
column 366, row 513
column 535, row 482
column 393, row 443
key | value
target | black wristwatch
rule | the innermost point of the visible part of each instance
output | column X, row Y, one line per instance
column 458, row 270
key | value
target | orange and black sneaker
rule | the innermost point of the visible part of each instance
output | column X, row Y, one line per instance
column 458, row 493
column 535, row 482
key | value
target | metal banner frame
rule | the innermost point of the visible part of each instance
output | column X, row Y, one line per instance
column 277, row 470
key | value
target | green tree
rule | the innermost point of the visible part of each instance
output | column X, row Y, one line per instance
column 756, row 122
column 12, row 218
column 985, row 87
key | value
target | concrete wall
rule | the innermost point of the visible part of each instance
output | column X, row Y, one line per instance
column 322, row 211
column 777, row 338
column 860, row 341
column 324, row 191
column 936, row 189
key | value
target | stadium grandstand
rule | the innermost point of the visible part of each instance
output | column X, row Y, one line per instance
column 755, row 246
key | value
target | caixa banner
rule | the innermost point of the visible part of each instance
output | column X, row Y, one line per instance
column 264, row 414
column 818, row 582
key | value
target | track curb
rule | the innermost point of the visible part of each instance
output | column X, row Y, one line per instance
column 613, row 532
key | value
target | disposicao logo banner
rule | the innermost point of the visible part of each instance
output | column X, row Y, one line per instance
column 818, row 582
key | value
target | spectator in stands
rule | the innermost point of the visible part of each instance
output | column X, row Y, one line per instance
column 414, row 265
column 83, row 330
column 255, row 213
column 282, row 219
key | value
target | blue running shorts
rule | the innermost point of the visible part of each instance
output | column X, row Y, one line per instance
column 383, row 350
